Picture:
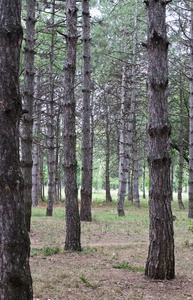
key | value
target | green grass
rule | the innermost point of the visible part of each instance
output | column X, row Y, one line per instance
column 124, row 265
column 47, row 251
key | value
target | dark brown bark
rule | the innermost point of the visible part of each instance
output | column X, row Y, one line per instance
column 180, row 176
column 86, row 183
column 51, row 163
column 15, row 278
column 160, row 261
column 27, row 120
column 190, row 208
column 70, row 164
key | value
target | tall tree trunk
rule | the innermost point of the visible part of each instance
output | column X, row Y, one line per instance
column 27, row 120
column 15, row 277
column 36, row 142
column 160, row 261
column 190, row 212
column 51, row 164
column 180, row 177
column 56, row 190
column 135, row 168
column 108, row 191
column 133, row 192
column 122, row 161
column 143, row 176
column 70, row 164
column 86, row 184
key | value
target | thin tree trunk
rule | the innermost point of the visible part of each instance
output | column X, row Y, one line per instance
column 135, row 168
column 70, row 164
column 122, row 161
column 15, row 277
column 130, row 138
column 27, row 120
column 190, row 212
column 86, row 183
column 56, row 191
column 36, row 141
column 180, row 177
column 51, row 185
column 143, row 178
column 171, row 179
column 160, row 261
column 108, row 191
column 129, row 186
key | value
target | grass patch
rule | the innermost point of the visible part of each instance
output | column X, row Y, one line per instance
column 46, row 251
column 124, row 265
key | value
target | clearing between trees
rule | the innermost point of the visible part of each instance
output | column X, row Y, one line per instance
column 112, row 261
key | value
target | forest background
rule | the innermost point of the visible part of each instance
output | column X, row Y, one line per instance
column 117, row 27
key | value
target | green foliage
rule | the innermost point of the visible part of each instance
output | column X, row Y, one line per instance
column 125, row 265
column 190, row 227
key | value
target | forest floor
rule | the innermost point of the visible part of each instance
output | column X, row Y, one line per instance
column 111, row 263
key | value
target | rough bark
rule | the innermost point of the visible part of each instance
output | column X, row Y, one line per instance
column 123, row 166
column 134, row 189
column 15, row 278
column 70, row 164
column 107, row 173
column 190, row 212
column 36, row 136
column 51, row 163
column 143, row 176
column 135, row 168
column 86, row 184
column 180, row 176
column 160, row 261
column 27, row 120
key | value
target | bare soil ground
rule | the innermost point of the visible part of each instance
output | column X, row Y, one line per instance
column 106, row 242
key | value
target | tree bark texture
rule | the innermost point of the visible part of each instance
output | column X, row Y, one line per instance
column 123, row 163
column 131, row 137
column 180, row 176
column 27, row 120
column 51, row 160
column 36, row 140
column 190, row 211
column 160, row 261
column 15, row 278
column 135, row 167
column 70, row 164
column 86, row 184
column 107, row 175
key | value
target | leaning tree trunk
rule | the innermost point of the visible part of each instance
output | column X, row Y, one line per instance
column 15, row 277
column 36, row 142
column 180, row 177
column 160, row 261
column 70, row 164
column 86, row 183
column 27, row 120
column 51, row 163
column 190, row 213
